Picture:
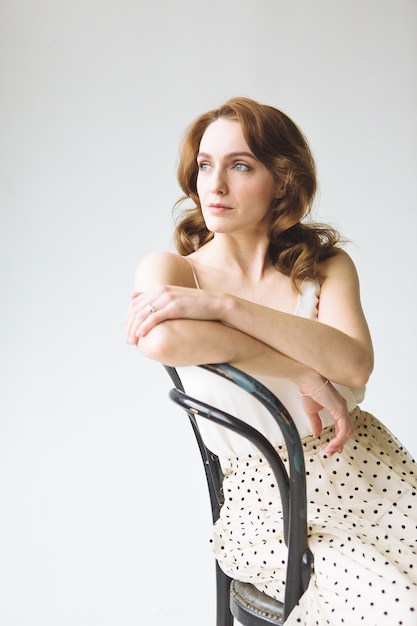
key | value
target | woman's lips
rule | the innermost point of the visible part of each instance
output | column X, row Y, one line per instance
column 219, row 208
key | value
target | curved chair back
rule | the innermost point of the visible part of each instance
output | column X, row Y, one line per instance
column 244, row 598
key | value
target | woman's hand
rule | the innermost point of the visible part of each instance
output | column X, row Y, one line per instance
column 327, row 397
column 168, row 302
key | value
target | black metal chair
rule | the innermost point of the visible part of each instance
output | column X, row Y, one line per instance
column 236, row 599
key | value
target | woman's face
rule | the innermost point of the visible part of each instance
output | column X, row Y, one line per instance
column 236, row 191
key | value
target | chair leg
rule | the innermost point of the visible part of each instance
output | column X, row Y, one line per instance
column 224, row 616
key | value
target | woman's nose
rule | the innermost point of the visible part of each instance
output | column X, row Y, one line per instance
column 218, row 181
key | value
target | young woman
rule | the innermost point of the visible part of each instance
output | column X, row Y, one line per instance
column 258, row 285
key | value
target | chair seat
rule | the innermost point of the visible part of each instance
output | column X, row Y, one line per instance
column 252, row 607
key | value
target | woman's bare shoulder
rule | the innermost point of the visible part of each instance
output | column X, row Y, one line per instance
column 340, row 289
column 163, row 268
column 340, row 264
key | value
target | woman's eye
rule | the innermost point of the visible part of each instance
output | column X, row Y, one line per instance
column 241, row 167
column 203, row 167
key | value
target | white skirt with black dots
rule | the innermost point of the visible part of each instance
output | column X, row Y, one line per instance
column 362, row 519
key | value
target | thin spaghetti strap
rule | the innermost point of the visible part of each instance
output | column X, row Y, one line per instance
column 197, row 284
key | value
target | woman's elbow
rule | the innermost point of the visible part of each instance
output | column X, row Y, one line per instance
column 362, row 369
column 161, row 344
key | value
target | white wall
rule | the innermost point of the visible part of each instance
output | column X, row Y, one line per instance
column 94, row 526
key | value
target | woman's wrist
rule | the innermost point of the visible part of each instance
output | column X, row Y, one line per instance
column 313, row 393
column 308, row 381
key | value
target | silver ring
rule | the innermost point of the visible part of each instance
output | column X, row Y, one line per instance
column 150, row 308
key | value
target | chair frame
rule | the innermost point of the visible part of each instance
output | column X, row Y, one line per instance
column 234, row 598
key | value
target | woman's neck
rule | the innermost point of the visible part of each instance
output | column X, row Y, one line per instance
column 245, row 256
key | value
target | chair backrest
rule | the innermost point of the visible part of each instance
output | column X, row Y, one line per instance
column 212, row 467
column 292, row 484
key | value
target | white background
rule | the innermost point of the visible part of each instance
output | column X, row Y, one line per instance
column 104, row 516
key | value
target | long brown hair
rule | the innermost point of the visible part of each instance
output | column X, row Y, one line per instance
column 297, row 245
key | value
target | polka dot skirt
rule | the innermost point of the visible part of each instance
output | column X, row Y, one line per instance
column 362, row 519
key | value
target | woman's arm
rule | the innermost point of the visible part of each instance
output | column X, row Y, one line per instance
column 338, row 345
column 183, row 341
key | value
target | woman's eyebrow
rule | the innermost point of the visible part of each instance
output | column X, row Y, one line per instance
column 230, row 155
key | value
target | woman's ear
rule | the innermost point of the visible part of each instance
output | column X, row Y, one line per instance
column 280, row 189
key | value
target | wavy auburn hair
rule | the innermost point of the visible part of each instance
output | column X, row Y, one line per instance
column 297, row 245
